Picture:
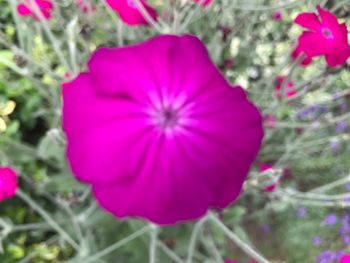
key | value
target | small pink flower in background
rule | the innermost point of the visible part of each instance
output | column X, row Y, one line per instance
column 158, row 132
column 26, row 8
column 8, row 183
column 325, row 37
column 270, row 188
column 345, row 259
column 225, row 31
column 85, row 6
column 228, row 64
column 204, row 2
column 270, row 121
column 129, row 12
column 289, row 90
column 277, row 16
column 68, row 76
column 265, row 167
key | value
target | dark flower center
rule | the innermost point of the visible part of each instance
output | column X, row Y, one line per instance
column 168, row 118
column 327, row 33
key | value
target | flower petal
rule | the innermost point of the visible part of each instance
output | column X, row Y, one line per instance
column 338, row 56
column 129, row 12
column 313, row 44
column 328, row 19
column 308, row 20
column 23, row 10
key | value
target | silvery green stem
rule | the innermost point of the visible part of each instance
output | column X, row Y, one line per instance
column 239, row 242
column 26, row 198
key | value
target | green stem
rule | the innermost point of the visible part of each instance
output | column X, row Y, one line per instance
column 115, row 246
column 239, row 242
column 192, row 246
column 153, row 244
column 48, row 218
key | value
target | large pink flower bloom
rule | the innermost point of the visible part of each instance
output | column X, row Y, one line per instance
column 8, row 183
column 26, row 8
column 326, row 36
column 130, row 13
column 158, row 132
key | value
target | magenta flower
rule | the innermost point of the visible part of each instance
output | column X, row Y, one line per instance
column 130, row 13
column 270, row 188
column 345, row 259
column 270, row 121
column 277, row 16
column 8, row 183
column 288, row 91
column 325, row 37
column 85, row 6
column 158, row 132
column 265, row 166
column 230, row 261
column 204, row 2
column 27, row 8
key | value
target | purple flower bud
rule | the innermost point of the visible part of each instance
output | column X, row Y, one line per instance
column 346, row 239
column 302, row 211
column 341, row 126
column 316, row 241
column 330, row 219
column 266, row 228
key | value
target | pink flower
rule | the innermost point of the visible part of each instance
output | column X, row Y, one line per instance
column 289, row 90
column 8, row 183
column 27, row 8
column 270, row 188
column 129, row 12
column 265, row 166
column 85, row 6
column 270, row 121
column 230, row 261
column 345, row 259
column 204, row 2
column 277, row 16
column 325, row 37
column 158, row 132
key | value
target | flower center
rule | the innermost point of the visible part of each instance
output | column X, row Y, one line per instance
column 167, row 118
column 327, row 33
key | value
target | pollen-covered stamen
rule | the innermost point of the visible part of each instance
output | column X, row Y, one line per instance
column 327, row 33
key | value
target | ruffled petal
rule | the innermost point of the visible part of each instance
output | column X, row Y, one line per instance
column 23, row 10
column 309, row 21
column 338, row 55
column 328, row 19
column 129, row 12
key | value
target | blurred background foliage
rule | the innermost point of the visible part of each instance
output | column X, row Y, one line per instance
column 308, row 144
